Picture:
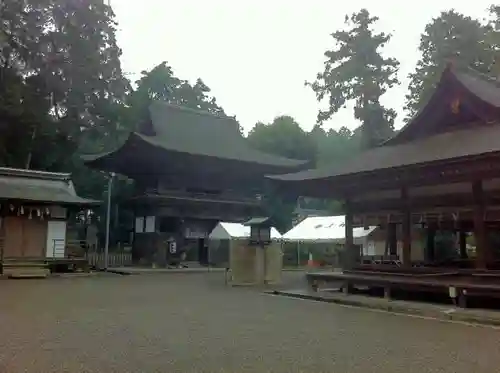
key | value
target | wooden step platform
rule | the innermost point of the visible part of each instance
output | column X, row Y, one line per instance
column 25, row 269
column 455, row 283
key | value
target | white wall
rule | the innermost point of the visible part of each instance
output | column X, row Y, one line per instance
column 56, row 239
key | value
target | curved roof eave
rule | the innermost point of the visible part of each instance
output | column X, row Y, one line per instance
column 482, row 88
column 250, row 156
column 413, row 123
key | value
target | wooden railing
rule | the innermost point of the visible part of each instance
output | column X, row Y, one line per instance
column 78, row 249
column 114, row 259
column 62, row 248
column 58, row 248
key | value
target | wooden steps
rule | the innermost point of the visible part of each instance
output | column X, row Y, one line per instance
column 41, row 267
column 25, row 269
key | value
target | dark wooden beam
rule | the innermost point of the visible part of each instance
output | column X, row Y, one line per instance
column 459, row 200
column 433, row 173
column 431, row 243
column 392, row 239
column 349, row 238
column 406, row 255
column 480, row 234
column 446, row 222
column 462, row 243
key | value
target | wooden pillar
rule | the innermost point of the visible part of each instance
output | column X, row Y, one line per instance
column 350, row 254
column 482, row 249
column 406, row 257
column 430, row 254
column 2, row 243
column 392, row 239
column 462, row 244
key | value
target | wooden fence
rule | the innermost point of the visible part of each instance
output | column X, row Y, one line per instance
column 114, row 259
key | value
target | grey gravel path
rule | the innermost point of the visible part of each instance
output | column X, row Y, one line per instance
column 192, row 323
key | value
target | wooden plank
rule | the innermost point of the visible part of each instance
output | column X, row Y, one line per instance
column 433, row 173
column 13, row 243
column 461, row 201
column 34, row 237
column 464, row 282
column 466, row 169
column 444, row 220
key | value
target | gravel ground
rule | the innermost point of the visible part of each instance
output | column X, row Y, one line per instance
column 192, row 323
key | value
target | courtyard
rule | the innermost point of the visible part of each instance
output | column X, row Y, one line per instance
column 193, row 323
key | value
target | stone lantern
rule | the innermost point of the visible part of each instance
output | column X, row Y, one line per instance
column 260, row 231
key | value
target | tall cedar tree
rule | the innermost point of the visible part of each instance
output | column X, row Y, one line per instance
column 451, row 37
column 66, row 60
column 356, row 71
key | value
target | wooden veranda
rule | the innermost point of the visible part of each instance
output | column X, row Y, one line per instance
column 441, row 172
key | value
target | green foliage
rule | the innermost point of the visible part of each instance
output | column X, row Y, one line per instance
column 452, row 37
column 160, row 84
column 62, row 90
column 60, row 66
column 356, row 71
column 334, row 147
column 284, row 137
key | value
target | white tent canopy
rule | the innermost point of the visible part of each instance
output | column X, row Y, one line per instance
column 227, row 231
column 324, row 229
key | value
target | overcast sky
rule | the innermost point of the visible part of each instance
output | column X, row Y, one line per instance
column 255, row 55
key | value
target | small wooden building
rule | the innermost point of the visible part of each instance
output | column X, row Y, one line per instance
column 34, row 208
column 192, row 169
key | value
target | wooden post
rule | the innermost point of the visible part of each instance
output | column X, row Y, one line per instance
column 462, row 244
column 392, row 239
column 431, row 243
column 482, row 249
column 406, row 257
column 387, row 292
column 2, row 243
column 349, row 238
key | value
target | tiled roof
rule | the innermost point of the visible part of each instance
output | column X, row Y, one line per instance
column 39, row 186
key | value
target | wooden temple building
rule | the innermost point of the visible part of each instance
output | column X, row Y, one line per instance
column 34, row 210
column 192, row 169
column 441, row 172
